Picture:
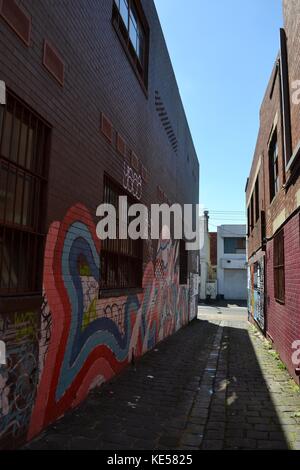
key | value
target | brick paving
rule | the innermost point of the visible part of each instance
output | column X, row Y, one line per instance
column 214, row 385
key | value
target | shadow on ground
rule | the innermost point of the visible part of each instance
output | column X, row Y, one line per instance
column 153, row 405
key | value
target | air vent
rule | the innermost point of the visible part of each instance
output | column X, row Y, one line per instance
column 160, row 108
column 134, row 161
column 121, row 146
column 145, row 174
column 53, row 63
column 106, row 127
column 17, row 19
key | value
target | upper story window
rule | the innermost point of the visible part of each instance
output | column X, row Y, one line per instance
column 133, row 29
column 234, row 245
column 257, row 208
column 273, row 167
column 24, row 140
column 252, row 213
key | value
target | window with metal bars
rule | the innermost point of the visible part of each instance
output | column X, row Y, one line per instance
column 131, row 23
column 121, row 260
column 279, row 267
column 24, row 139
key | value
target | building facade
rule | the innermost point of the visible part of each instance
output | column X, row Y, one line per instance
column 273, row 200
column 208, row 260
column 232, row 262
column 92, row 112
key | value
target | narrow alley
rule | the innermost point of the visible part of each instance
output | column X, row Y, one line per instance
column 213, row 385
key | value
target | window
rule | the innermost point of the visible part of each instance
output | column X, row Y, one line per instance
column 249, row 222
column 24, row 141
column 130, row 22
column 234, row 246
column 252, row 213
column 121, row 260
column 279, row 275
column 273, row 167
column 183, row 263
column 257, row 199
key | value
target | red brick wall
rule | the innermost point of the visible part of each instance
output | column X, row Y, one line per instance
column 283, row 321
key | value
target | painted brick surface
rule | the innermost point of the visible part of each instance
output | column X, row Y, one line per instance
column 78, row 341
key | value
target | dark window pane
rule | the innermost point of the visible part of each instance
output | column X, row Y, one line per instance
column 121, row 260
column 22, row 163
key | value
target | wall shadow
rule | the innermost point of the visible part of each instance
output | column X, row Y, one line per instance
column 252, row 421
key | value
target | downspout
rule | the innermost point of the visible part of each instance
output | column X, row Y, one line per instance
column 285, row 101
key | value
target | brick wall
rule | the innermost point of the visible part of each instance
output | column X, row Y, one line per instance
column 282, row 321
column 84, row 340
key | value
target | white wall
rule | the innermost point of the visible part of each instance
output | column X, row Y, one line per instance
column 232, row 262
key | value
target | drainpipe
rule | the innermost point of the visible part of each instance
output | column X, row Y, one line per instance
column 285, row 99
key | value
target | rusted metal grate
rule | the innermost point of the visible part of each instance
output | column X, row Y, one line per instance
column 121, row 260
column 23, row 169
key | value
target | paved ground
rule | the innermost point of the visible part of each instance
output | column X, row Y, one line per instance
column 213, row 385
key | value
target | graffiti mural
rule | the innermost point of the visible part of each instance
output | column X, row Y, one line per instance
column 77, row 340
column 19, row 376
column 84, row 340
column 256, row 291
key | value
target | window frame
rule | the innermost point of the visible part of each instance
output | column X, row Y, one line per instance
column 237, row 240
column 252, row 212
column 33, row 174
column 257, row 195
column 279, row 267
column 115, row 288
column 274, row 181
column 140, row 64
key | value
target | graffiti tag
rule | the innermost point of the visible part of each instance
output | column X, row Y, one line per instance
column 132, row 182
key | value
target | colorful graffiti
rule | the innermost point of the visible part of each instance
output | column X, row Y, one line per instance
column 19, row 376
column 256, row 292
column 84, row 340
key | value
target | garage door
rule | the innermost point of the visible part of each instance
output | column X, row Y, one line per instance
column 235, row 284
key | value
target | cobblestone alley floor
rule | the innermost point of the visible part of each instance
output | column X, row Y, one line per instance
column 213, row 385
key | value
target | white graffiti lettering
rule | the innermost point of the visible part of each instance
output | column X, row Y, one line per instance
column 132, row 182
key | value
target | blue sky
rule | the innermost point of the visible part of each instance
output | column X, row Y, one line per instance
column 223, row 52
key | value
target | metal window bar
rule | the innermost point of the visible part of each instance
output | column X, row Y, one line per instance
column 121, row 260
column 23, row 140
